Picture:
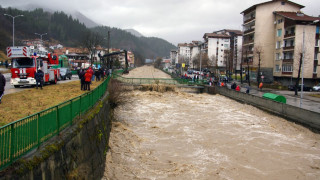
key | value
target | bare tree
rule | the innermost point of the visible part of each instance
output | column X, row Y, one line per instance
column 196, row 61
column 258, row 51
column 158, row 62
column 90, row 42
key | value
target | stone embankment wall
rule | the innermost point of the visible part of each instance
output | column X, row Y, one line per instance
column 307, row 118
column 77, row 153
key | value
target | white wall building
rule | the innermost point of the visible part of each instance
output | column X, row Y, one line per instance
column 217, row 45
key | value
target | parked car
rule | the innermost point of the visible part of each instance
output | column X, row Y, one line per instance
column 305, row 88
column 316, row 87
column 65, row 73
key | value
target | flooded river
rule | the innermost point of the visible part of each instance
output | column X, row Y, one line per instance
column 200, row 136
column 176, row 135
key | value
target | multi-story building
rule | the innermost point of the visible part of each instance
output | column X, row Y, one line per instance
column 218, row 49
column 235, row 47
column 259, row 35
column 296, row 32
column 187, row 52
column 174, row 56
column 184, row 53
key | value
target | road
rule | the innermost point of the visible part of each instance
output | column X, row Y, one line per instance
column 308, row 102
column 10, row 89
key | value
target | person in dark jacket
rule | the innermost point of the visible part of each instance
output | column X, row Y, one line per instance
column 2, row 85
column 39, row 78
column 82, row 81
column 97, row 74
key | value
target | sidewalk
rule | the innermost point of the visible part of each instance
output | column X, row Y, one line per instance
column 308, row 102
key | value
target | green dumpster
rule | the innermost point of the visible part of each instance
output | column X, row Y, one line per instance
column 275, row 97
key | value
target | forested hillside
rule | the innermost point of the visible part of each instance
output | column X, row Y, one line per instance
column 63, row 28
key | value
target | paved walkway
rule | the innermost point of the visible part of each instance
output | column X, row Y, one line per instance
column 308, row 102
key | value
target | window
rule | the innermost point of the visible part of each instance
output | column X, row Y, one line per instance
column 315, row 56
column 278, row 56
column 278, row 45
column 221, row 44
column 277, row 68
column 226, row 40
column 314, row 69
column 279, row 32
column 283, row 3
column 280, row 21
column 286, row 68
column 226, row 45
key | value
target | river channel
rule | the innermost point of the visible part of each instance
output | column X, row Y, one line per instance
column 178, row 135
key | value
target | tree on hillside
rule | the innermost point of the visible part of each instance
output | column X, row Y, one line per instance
column 157, row 63
column 90, row 42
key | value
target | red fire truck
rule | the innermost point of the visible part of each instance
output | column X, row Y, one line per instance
column 25, row 64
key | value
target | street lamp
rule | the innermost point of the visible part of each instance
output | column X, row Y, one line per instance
column 41, row 36
column 12, row 26
column 303, row 52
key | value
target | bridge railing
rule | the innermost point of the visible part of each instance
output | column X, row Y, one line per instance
column 173, row 81
column 21, row 136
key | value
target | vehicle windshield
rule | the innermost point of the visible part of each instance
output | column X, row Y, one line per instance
column 63, row 70
column 22, row 62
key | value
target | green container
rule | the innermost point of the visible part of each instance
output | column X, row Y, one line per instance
column 275, row 97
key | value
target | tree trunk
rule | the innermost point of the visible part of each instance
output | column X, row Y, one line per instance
column 298, row 78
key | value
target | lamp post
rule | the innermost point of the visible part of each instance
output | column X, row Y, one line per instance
column 303, row 52
column 12, row 26
column 41, row 36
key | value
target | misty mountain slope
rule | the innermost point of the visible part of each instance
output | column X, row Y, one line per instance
column 70, row 32
column 134, row 32
column 150, row 47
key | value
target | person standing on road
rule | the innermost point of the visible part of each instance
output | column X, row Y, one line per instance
column 2, row 85
column 82, row 81
column 260, row 86
column 39, row 78
column 87, row 78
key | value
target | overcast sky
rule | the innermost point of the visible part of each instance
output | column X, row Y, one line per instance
column 176, row 21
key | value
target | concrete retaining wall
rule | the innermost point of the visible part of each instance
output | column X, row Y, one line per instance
column 305, row 117
column 77, row 153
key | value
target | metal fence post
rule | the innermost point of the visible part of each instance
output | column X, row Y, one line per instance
column 38, row 130
column 12, row 144
column 58, row 119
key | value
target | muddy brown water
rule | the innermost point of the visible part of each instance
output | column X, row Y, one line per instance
column 177, row 135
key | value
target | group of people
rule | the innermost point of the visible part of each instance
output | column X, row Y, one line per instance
column 86, row 77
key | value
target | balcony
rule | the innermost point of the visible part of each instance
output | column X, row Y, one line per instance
column 248, row 20
column 248, row 41
column 286, row 48
column 286, row 73
column 287, row 60
column 248, row 31
column 289, row 35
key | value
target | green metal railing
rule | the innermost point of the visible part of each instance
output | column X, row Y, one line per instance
column 21, row 136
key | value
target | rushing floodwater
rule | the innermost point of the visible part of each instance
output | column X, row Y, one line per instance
column 178, row 135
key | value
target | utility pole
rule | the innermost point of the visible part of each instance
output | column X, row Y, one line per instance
column 248, row 76
column 241, row 68
column 108, row 58
column 12, row 26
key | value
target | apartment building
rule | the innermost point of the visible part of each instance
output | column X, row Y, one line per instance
column 217, row 46
column 259, row 34
column 235, row 47
column 187, row 52
column 289, row 44
column 174, row 56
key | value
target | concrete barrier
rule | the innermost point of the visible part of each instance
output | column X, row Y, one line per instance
column 305, row 117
